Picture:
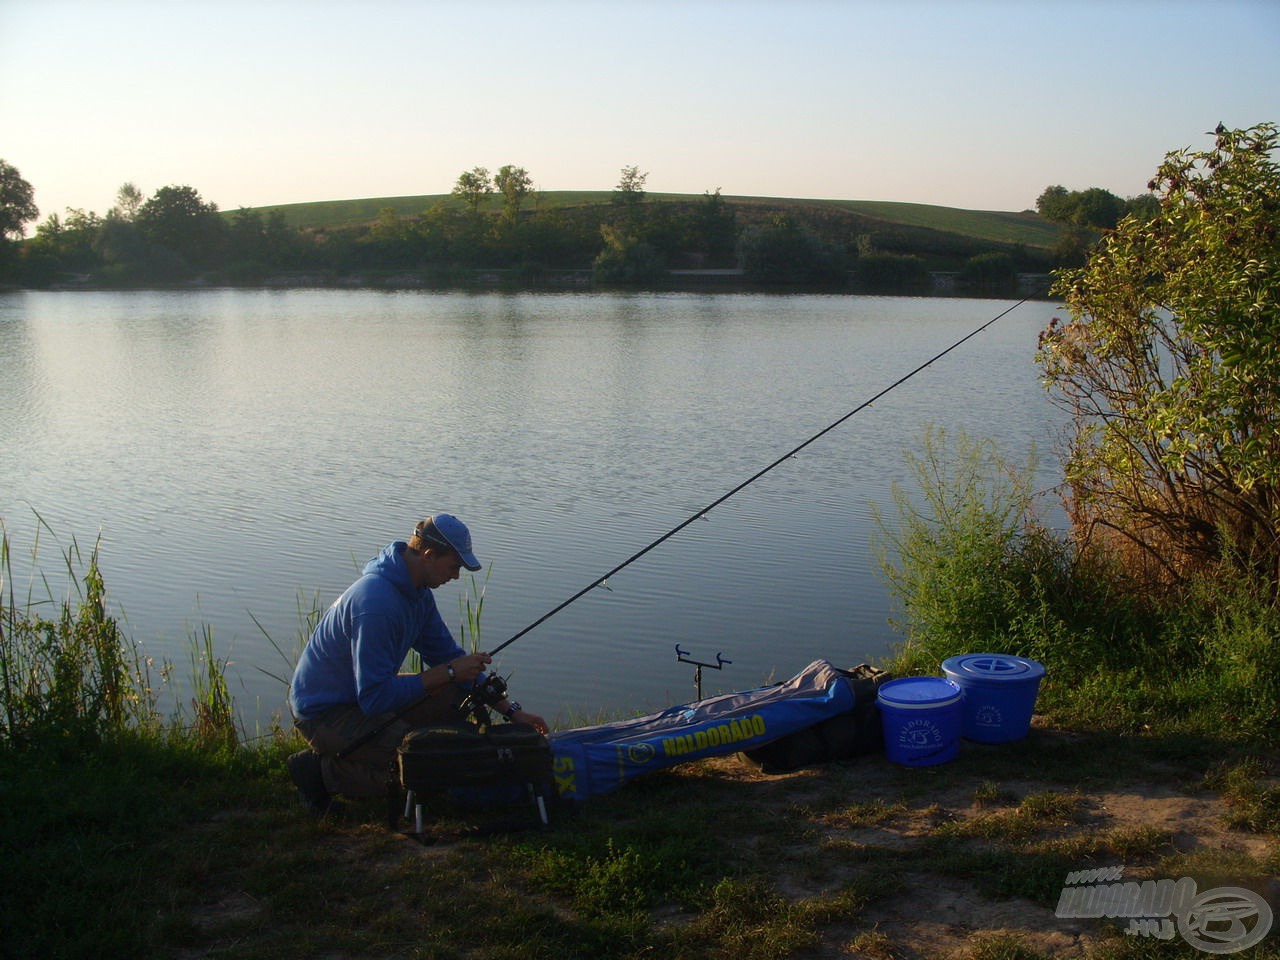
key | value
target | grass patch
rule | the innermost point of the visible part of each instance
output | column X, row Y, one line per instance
column 868, row 813
column 1036, row 813
column 1028, row 229
column 1249, row 787
column 1117, row 845
column 1005, row 227
column 1000, row 946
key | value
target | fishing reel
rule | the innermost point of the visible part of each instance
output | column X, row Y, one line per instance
column 493, row 691
column 488, row 693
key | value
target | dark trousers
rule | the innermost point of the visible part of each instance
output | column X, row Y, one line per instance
column 368, row 771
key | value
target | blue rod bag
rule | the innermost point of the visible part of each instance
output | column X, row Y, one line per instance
column 590, row 761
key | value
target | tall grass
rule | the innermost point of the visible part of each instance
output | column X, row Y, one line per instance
column 66, row 671
column 471, row 606
column 69, row 675
column 973, row 569
column 214, row 719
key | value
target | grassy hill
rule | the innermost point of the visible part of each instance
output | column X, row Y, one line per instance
column 1027, row 228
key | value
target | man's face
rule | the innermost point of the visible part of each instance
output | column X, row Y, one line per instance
column 438, row 567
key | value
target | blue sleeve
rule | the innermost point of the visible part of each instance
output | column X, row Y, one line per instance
column 437, row 646
column 436, row 643
column 379, row 686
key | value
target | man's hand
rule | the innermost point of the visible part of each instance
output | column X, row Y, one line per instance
column 532, row 719
column 466, row 668
column 463, row 669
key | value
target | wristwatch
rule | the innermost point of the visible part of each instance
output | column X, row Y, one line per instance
column 513, row 707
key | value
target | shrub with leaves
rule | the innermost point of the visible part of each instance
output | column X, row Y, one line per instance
column 1170, row 366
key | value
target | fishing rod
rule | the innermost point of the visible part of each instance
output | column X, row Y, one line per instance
column 600, row 581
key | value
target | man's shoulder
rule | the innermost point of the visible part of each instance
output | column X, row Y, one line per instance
column 373, row 589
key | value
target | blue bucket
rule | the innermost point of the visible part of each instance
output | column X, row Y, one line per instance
column 920, row 717
column 999, row 694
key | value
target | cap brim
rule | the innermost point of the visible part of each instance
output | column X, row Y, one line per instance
column 440, row 526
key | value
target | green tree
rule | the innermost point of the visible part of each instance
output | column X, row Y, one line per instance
column 1144, row 207
column 1098, row 208
column 1170, row 367
column 473, row 186
column 630, row 189
column 129, row 201
column 121, row 249
column 1095, row 207
column 514, row 183
column 178, row 221
column 71, row 242
column 392, row 241
column 1054, row 203
column 626, row 258
column 17, row 203
column 713, row 229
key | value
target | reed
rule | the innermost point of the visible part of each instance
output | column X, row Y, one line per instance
column 67, row 673
column 214, row 722
column 471, row 606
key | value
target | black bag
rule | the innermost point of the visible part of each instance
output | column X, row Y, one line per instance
column 843, row 737
column 493, row 766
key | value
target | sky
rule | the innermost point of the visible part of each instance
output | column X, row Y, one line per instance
column 978, row 104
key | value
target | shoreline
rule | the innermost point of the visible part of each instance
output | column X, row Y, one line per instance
column 944, row 285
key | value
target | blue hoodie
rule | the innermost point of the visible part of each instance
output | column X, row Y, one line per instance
column 355, row 653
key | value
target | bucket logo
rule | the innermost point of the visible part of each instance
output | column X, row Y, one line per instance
column 919, row 733
column 988, row 715
column 1221, row 920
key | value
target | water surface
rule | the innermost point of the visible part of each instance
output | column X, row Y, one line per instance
column 242, row 453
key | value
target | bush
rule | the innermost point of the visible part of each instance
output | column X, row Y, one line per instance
column 974, row 571
column 990, row 272
column 893, row 272
column 1170, row 371
column 784, row 252
column 627, row 259
column 970, row 567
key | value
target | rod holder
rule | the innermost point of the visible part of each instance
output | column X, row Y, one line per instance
column 682, row 656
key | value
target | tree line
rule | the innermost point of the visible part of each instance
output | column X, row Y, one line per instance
column 486, row 225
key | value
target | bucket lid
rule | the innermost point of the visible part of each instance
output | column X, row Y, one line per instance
column 992, row 668
column 916, row 692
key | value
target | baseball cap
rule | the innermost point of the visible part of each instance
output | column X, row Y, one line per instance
column 446, row 530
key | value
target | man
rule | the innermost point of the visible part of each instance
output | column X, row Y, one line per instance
column 348, row 683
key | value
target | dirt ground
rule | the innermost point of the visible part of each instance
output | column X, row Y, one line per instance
column 1157, row 822
column 938, row 916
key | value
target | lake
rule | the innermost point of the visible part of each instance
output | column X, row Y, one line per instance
column 241, row 454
